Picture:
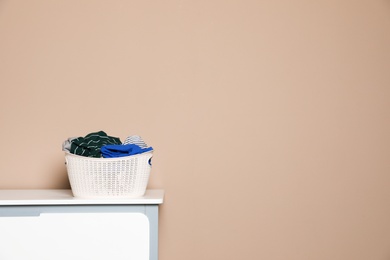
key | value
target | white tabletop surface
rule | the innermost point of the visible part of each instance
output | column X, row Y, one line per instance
column 65, row 197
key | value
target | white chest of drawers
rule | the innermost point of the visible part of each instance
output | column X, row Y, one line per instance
column 53, row 225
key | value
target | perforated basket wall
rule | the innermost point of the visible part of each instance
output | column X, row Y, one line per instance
column 122, row 177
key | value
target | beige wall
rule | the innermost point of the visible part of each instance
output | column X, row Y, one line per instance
column 269, row 119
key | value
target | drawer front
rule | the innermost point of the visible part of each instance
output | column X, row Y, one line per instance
column 75, row 235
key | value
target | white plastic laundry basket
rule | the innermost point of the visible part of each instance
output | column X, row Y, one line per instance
column 121, row 177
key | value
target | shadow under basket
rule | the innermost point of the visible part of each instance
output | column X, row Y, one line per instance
column 121, row 177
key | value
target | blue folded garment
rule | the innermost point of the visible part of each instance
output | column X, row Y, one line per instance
column 111, row 151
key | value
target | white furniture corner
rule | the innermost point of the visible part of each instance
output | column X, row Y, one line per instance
column 52, row 224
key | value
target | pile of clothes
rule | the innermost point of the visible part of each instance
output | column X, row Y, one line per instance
column 99, row 144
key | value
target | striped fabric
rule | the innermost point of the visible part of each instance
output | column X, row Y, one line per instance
column 91, row 144
column 67, row 143
column 135, row 139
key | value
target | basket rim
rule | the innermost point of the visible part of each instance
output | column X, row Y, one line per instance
column 68, row 154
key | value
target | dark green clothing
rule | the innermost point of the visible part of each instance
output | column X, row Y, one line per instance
column 90, row 144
